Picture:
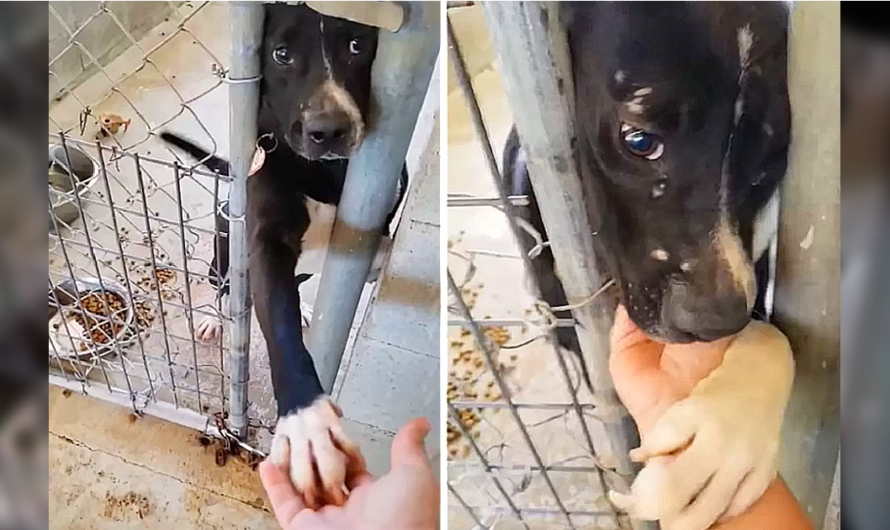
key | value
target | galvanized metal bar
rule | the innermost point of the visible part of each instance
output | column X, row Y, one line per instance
column 808, row 272
column 399, row 80
column 460, row 202
column 188, row 280
column 109, row 197
column 533, row 56
column 247, row 41
column 217, row 245
column 140, row 180
column 530, row 406
column 505, row 322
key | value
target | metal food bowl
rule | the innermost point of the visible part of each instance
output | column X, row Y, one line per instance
column 73, row 346
column 64, row 182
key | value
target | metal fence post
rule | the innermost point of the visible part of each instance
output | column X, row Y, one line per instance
column 808, row 269
column 244, row 92
column 533, row 55
column 400, row 77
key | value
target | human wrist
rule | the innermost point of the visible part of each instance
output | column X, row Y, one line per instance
column 776, row 508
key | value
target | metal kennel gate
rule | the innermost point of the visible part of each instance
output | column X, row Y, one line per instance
column 532, row 57
column 132, row 232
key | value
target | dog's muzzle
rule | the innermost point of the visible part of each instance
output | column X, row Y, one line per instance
column 327, row 133
column 332, row 124
column 687, row 316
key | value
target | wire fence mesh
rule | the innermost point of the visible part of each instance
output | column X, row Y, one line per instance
column 133, row 225
column 526, row 439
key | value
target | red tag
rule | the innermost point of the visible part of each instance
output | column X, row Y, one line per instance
column 259, row 158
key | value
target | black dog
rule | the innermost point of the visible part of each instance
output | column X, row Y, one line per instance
column 683, row 121
column 314, row 107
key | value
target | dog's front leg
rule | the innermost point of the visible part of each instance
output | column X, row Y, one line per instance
column 727, row 436
column 210, row 327
column 309, row 440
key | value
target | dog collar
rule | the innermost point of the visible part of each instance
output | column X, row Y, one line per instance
column 259, row 154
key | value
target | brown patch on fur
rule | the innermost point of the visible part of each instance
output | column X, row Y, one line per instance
column 336, row 97
column 728, row 247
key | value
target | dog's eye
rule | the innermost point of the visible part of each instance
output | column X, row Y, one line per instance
column 282, row 56
column 355, row 47
column 642, row 144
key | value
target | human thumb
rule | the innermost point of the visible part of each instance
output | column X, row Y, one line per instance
column 407, row 446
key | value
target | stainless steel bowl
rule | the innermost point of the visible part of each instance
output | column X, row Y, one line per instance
column 62, row 186
column 67, row 294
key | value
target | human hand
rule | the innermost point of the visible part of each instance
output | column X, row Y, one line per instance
column 406, row 498
column 710, row 417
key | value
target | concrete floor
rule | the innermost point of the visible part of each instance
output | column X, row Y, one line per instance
column 111, row 471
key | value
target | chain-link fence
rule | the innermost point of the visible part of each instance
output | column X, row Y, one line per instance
column 529, row 445
column 132, row 225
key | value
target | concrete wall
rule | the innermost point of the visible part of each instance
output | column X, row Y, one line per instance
column 102, row 36
column 392, row 373
column 807, row 303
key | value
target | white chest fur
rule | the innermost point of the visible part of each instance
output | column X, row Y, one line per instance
column 766, row 225
column 317, row 236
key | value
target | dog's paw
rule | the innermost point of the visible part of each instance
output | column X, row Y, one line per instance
column 311, row 445
column 209, row 329
column 714, row 454
column 379, row 259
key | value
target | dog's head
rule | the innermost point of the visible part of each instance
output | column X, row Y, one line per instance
column 682, row 118
column 317, row 79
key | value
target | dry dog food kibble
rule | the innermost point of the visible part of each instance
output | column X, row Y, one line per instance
column 102, row 319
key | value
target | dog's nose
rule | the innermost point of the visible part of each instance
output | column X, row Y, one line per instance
column 329, row 130
column 704, row 317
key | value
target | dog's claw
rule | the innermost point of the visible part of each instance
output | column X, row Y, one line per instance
column 209, row 329
column 622, row 501
column 311, row 445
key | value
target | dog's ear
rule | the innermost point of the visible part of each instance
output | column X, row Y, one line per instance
column 574, row 17
column 566, row 14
